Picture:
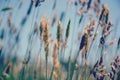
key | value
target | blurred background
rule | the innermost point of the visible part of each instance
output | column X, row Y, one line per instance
column 19, row 18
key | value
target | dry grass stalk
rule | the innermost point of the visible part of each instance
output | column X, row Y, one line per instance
column 46, row 41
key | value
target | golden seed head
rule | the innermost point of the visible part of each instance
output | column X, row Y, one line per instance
column 54, row 55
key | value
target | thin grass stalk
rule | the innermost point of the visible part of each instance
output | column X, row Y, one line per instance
column 71, row 67
column 86, row 70
column 66, row 10
column 77, row 73
column 40, row 66
column 40, row 59
column 68, row 73
column 60, row 76
column 46, row 66
column 54, row 4
column 25, row 60
column 21, row 74
column 46, row 42
column 37, row 62
column 66, row 36
column 51, row 74
column 31, row 37
column 118, row 46
column 17, row 7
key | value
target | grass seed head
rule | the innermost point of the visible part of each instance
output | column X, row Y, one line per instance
column 68, row 29
column 54, row 55
column 59, row 32
column 42, row 25
column 46, row 37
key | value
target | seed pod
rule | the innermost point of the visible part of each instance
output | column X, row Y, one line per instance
column 38, row 2
column 54, row 19
column 59, row 32
column 89, row 4
column 62, row 16
column 81, row 18
column 29, row 9
column 104, row 14
column 102, row 40
column 84, row 40
column 24, row 20
column 118, row 43
column 68, row 29
column 6, row 8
